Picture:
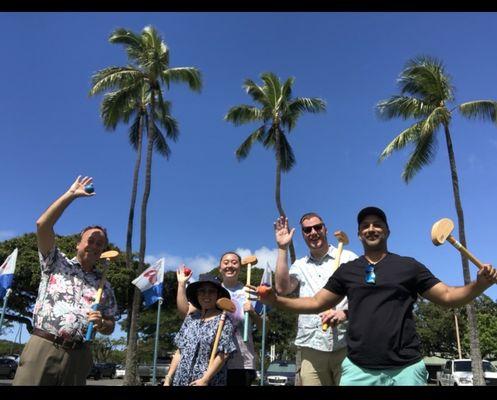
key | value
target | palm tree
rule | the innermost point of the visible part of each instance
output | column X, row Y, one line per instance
column 147, row 73
column 425, row 93
column 125, row 102
column 278, row 111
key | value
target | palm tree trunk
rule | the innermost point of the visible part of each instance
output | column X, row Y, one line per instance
column 478, row 377
column 131, row 351
column 278, row 190
column 129, row 234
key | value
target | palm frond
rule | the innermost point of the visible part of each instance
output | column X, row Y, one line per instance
column 401, row 140
column 286, row 90
column 269, row 140
column 243, row 114
column 287, row 156
column 300, row 105
column 134, row 134
column 115, row 77
column 439, row 117
column 160, row 143
column 131, row 41
column 426, row 77
column 272, row 88
column 190, row 75
column 485, row 110
column 312, row 105
column 114, row 109
column 422, row 155
column 403, row 107
column 244, row 149
column 255, row 91
column 163, row 116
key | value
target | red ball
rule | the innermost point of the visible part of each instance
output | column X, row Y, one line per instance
column 263, row 290
column 187, row 271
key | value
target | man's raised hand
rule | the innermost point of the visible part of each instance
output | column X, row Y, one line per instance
column 282, row 234
column 77, row 189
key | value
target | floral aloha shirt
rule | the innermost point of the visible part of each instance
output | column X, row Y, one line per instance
column 66, row 294
column 194, row 341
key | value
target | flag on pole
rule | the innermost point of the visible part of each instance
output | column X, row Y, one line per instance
column 266, row 280
column 7, row 273
column 150, row 282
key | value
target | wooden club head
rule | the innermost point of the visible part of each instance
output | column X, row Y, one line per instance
column 226, row 304
column 341, row 237
column 252, row 260
column 109, row 254
column 441, row 230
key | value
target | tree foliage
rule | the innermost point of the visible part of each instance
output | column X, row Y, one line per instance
column 437, row 330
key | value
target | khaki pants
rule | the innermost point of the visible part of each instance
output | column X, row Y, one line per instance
column 43, row 363
column 321, row 368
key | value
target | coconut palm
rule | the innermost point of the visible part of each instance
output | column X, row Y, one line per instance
column 146, row 76
column 125, row 103
column 278, row 112
column 426, row 92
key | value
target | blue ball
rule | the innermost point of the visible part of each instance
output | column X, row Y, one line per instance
column 89, row 188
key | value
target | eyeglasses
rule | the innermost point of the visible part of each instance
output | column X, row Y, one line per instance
column 370, row 277
column 308, row 229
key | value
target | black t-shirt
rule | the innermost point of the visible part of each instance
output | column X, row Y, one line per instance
column 381, row 332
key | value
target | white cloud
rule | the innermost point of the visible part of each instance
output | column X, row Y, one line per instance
column 200, row 264
column 4, row 235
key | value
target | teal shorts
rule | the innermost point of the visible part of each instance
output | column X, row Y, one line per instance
column 412, row 375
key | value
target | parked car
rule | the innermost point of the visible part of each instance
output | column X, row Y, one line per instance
column 102, row 370
column 120, row 371
column 458, row 373
column 8, row 367
column 281, row 373
column 145, row 371
column 14, row 357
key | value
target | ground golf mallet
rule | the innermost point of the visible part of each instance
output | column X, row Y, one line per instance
column 441, row 232
column 342, row 240
column 224, row 304
column 249, row 262
column 106, row 256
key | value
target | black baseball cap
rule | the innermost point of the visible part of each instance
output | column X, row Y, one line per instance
column 371, row 211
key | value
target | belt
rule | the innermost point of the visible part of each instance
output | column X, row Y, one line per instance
column 64, row 343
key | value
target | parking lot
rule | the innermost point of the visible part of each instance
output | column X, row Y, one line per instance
column 89, row 382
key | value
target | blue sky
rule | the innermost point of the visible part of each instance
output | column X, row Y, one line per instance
column 203, row 201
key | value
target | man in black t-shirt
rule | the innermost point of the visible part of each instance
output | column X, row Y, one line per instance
column 382, row 287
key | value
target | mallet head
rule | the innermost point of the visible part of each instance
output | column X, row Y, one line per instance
column 226, row 304
column 109, row 254
column 441, row 230
column 252, row 260
column 341, row 237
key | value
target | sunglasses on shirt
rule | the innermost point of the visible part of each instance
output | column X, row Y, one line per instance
column 308, row 229
column 370, row 277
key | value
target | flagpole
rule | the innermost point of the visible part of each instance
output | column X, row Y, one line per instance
column 154, row 373
column 263, row 344
column 7, row 293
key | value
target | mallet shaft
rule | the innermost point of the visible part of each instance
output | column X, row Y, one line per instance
column 246, row 315
column 218, row 336
column 464, row 251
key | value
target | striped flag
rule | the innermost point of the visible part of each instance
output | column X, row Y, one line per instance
column 7, row 273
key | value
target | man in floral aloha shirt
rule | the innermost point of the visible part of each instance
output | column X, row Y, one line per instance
column 56, row 353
